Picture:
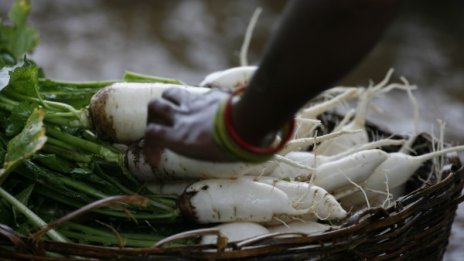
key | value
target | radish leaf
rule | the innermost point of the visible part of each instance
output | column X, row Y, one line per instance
column 25, row 144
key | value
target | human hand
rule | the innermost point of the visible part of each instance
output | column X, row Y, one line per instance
column 183, row 122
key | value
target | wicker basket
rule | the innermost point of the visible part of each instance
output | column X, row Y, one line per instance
column 417, row 227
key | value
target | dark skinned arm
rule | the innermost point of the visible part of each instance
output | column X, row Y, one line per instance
column 317, row 43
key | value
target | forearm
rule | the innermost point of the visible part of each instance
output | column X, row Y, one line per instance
column 317, row 43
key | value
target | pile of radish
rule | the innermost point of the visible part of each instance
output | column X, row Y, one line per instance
column 298, row 190
column 74, row 148
column 90, row 149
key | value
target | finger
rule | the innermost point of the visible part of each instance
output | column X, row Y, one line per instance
column 161, row 111
column 152, row 154
column 177, row 96
column 154, row 141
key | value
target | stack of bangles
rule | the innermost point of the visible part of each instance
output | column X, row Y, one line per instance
column 228, row 139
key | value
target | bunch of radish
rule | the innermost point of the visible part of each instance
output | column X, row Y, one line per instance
column 294, row 191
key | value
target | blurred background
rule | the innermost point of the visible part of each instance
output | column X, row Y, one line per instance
column 187, row 39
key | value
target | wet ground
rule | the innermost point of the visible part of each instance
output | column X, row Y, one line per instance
column 95, row 40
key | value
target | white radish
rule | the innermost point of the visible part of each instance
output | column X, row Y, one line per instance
column 341, row 174
column 236, row 231
column 320, row 159
column 119, row 111
column 226, row 200
column 399, row 167
column 308, row 196
column 230, row 78
column 306, row 227
column 174, row 166
column 358, row 123
column 394, row 172
column 306, row 158
column 266, row 168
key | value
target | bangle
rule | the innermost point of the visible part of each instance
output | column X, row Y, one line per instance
column 228, row 139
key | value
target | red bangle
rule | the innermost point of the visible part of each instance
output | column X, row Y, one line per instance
column 287, row 131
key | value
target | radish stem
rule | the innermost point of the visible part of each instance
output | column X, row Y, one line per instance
column 137, row 77
column 88, row 146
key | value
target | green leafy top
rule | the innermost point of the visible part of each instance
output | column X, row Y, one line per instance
column 18, row 37
column 24, row 145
